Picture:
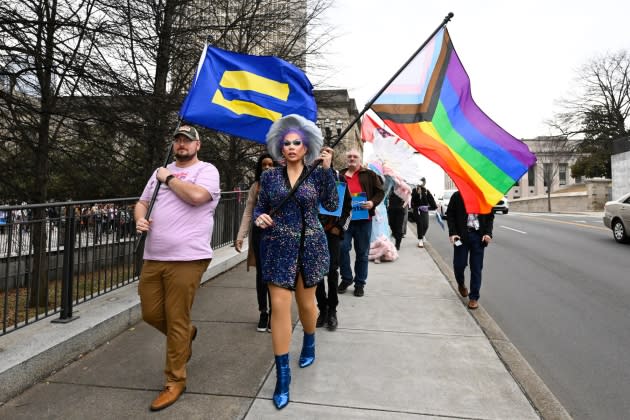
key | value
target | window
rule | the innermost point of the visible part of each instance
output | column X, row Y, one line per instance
column 531, row 176
column 562, row 172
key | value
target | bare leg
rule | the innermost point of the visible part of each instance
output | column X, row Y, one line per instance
column 281, row 319
column 307, row 305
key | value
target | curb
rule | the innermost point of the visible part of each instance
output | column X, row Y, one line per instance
column 35, row 351
column 535, row 390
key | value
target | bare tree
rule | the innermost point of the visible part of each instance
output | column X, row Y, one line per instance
column 91, row 88
column 148, row 56
column 598, row 113
column 43, row 55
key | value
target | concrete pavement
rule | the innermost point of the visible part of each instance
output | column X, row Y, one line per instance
column 408, row 349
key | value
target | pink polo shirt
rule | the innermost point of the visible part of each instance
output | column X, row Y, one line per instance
column 180, row 231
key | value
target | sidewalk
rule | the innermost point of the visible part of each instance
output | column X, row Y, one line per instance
column 408, row 349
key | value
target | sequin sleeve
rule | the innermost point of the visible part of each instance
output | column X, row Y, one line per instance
column 328, row 196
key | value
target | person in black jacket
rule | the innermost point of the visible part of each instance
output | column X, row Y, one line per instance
column 470, row 234
column 421, row 202
column 396, row 216
column 334, row 227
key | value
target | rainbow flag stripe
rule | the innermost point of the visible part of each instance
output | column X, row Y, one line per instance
column 430, row 106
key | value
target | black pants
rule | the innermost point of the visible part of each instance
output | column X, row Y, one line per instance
column 330, row 302
column 262, row 291
column 422, row 223
column 396, row 219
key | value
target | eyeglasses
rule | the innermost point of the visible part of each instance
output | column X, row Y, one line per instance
column 288, row 143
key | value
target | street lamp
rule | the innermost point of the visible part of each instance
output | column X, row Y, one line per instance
column 327, row 126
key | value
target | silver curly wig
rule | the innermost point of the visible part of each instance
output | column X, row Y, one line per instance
column 310, row 134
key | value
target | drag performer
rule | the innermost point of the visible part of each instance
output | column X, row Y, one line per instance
column 293, row 249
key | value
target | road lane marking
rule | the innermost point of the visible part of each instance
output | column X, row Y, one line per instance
column 515, row 230
column 566, row 223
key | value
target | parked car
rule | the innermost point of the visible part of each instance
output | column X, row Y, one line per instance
column 503, row 206
column 443, row 200
column 617, row 218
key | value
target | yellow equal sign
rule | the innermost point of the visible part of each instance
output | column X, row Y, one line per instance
column 244, row 80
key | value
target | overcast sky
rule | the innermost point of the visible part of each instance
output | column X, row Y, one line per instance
column 521, row 57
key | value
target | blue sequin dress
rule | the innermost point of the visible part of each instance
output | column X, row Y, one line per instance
column 297, row 240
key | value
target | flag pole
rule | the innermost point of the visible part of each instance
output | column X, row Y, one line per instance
column 297, row 184
column 447, row 18
column 143, row 235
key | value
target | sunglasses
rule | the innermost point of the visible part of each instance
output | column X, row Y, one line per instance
column 288, row 143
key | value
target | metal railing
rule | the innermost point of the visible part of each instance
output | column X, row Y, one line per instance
column 57, row 255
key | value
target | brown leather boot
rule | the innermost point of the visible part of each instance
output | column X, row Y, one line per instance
column 462, row 290
column 168, row 396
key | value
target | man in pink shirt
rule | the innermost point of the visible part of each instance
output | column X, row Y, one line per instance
column 177, row 252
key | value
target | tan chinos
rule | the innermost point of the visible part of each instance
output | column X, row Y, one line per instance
column 167, row 291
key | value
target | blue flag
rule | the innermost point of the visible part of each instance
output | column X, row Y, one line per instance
column 243, row 94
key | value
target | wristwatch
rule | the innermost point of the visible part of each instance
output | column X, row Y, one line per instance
column 168, row 178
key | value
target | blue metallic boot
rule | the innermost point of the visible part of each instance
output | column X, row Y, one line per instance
column 283, row 379
column 307, row 357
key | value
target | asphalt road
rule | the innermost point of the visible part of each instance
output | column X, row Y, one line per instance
column 559, row 287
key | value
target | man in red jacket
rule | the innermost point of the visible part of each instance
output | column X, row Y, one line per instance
column 359, row 180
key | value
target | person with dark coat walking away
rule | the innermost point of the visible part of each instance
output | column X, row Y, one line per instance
column 470, row 234
column 421, row 202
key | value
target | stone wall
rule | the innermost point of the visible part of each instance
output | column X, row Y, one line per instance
column 621, row 174
column 593, row 199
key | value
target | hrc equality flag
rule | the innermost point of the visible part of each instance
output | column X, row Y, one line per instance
column 243, row 94
column 430, row 106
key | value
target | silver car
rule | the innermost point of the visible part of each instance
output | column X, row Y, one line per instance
column 617, row 218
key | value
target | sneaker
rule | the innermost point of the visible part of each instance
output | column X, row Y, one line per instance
column 343, row 286
column 321, row 319
column 358, row 291
column 420, row 243
column 263, row 322
column 377, row 261
column 332, row 321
